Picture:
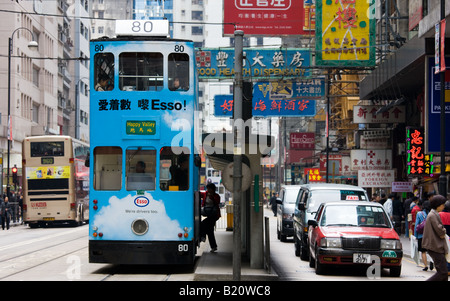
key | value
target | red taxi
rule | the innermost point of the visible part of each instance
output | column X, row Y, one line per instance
column 353, row 233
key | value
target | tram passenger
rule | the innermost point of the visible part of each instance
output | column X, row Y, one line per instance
column 178, row 85
column 140, row 167
column 102, row 83
column 212, row 200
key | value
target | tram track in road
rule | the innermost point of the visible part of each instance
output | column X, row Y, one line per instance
column 148, row 272
column 16, row 262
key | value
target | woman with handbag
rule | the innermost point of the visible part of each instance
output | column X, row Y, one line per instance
column 211, row 210
column 434, row 239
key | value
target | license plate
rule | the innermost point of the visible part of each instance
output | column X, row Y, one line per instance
column 361, row 258
column 48, row 218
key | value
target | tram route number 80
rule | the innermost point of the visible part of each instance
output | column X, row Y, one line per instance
column 183, row 247
column 146, row 26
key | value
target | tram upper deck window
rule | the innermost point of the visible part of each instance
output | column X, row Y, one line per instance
column 104, row 71
column 107, row 168
column 141, row 71
column 140, row 168
column 178, row 71
column 174, row 168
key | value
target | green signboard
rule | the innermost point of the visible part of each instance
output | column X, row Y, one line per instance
column 141, row 127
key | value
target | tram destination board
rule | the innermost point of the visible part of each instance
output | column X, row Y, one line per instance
column 141, row 127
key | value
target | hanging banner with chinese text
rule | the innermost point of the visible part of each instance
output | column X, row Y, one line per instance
column 269, row 17
column 368, row 114
column 260, row 63
column 417, row 162
column 283, row 98
column 345, row 33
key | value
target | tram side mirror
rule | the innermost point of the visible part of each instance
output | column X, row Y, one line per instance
column 197, row 161
column 301, row 206
column 86, row 162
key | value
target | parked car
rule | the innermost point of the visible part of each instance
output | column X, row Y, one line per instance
column 353, row 233
column 285, row 211
column 309, row 197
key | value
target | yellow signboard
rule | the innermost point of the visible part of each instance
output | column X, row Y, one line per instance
column 345, row 33
column 48, row 172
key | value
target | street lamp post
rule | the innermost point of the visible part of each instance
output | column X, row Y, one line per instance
column 32, row 45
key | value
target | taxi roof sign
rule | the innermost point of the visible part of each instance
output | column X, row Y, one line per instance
column 153, row 28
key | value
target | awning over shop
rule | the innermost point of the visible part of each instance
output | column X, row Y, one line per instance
column 401, row 74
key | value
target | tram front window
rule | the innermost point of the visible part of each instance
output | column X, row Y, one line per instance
column 178, row 71
column 107, row 168
column 174, row 168
column 104, row 71
column 141, row 71
column 140, row 168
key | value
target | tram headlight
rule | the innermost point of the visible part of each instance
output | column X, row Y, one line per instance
column 139, row 226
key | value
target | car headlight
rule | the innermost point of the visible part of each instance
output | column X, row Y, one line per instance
column 393, row 244
column 331, row 242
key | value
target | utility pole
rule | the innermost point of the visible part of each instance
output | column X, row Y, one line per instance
column 443, row 176
column 237, row 158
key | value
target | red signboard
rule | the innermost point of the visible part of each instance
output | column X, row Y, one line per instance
column 269, row 17
column 313, row 175
column 302, row 141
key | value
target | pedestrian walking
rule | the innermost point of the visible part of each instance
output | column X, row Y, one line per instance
column 434, row 239
column 397, row 213
column 445, row 217
column 388, row 206
column 421, row 218
column 210, row 209
column 273, row 203
column 407, row 208
column 5, row 211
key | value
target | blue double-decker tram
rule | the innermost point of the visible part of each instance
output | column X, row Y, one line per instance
column 144, row 205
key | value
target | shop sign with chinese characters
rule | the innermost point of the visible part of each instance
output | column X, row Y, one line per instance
column 285, row 98
column 372, row 159
column 269, row 17
column 260, row 63
column 345, row 33
column 367, row 114
column 313, row 175
column 417, row 162
column 376, row 178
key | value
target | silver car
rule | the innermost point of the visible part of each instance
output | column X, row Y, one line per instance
column 285, row 211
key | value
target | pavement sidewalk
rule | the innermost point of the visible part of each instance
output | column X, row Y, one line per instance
column 219, row 265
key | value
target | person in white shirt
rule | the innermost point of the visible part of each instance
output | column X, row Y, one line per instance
column 388, row 206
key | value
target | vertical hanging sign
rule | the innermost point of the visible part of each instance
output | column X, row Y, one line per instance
column 345, row 33
column 418, row 163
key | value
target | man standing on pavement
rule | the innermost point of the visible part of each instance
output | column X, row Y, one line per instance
column 5, row 211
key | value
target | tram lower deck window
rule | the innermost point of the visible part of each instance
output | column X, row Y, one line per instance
column 174, row 168
column 107, row 168
column 140, row 168
column 141, row 71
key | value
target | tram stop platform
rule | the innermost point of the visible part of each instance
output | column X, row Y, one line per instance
column 218, row 266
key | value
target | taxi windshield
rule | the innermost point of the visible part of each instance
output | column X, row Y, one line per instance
column 355, row 215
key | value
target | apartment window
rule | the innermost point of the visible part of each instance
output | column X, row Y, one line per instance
column 36, row 76
column 197, row 30
column 35, row 112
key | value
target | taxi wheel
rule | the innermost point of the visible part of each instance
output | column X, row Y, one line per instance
column 320, row 269
column 395, row 271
